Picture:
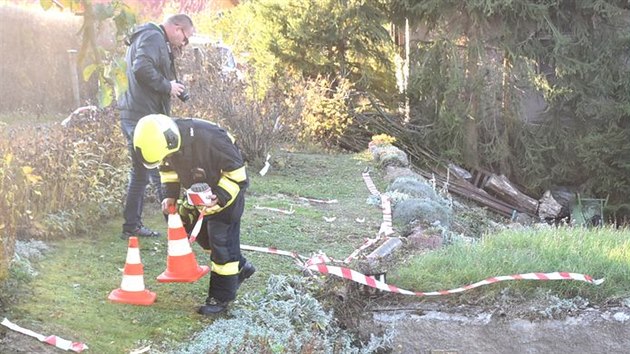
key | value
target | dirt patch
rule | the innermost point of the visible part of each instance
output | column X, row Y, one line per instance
column 14, row 342
column 536, row 326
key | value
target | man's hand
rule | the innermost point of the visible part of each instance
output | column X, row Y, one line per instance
column 176, row 88
column 169, row 205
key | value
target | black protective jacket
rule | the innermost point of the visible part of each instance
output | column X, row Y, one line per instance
column 149, row 72
column 207, row 154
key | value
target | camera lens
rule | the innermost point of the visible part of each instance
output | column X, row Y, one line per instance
column 184, row 96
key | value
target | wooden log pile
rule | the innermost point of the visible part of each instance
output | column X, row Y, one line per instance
column 496, row 192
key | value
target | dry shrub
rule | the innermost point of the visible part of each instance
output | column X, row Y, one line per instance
column 35, row 71
column 326, row 114
column 258, row 120
column 56, row 181
column 291, row 110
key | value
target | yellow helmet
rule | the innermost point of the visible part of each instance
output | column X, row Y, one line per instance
column 155, row 137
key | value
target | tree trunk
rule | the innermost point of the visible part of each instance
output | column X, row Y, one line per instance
column 471, row 134
column 506, row 106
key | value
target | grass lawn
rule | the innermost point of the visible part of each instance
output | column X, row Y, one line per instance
column 69, row 296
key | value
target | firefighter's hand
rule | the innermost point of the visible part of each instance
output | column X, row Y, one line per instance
column 169, row 205
column 211, row 208
column 213, row 201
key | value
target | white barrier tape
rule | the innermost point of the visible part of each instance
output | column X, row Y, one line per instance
column 387, row 225
column 370, row 184
column 331, row 201
column 386, row 228
column 52, row 340
column 367, row 243
column 355, row 276
column 319, row 262
column 263, row 171
column 288, row 212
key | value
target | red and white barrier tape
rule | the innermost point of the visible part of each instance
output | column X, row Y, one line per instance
column 319, row 261
column 355, row 276
column 195, row 231
column 272, row 250
column 52, row 340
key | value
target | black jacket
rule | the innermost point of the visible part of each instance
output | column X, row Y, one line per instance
column 149, row 72
column 207, row 154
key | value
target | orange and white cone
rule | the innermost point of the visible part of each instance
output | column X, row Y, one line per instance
column 181, row 264
column 132, row 289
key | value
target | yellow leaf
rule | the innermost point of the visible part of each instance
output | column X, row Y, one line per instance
column 27, row 170
column 36, row 178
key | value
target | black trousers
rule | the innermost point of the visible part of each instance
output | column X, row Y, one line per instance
column 221, row 234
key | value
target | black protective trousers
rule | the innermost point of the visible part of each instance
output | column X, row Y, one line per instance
column 221, row 234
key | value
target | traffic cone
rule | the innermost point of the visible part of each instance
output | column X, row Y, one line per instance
column 132, row 289
column 181, row 264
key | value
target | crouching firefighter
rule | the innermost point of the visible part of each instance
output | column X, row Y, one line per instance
column 192, row 153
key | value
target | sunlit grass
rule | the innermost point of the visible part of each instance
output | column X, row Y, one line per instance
column 69, row 295
column 599, row 252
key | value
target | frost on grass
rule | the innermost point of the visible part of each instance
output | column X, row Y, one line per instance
column 285, row 318
column 27, row 252
column 32, row 250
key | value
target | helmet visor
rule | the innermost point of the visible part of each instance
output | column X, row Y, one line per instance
column 152, row 165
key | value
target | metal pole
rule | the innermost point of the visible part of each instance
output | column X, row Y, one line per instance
column 74, row 77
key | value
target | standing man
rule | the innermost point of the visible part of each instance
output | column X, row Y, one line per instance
column 152, row 82
column 192, row 153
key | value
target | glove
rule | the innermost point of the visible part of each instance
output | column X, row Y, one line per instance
column 188, row 213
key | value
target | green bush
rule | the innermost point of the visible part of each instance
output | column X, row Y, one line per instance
column 416, row 187
column 423, row 211
column 326, row 113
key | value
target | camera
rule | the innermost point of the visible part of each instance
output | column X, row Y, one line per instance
column 184, row 95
